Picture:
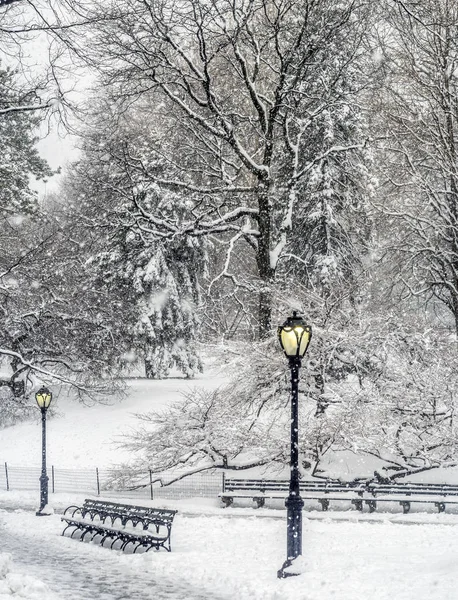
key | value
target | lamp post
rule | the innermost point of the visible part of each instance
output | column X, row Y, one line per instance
column 294, row 336
column 43, row 398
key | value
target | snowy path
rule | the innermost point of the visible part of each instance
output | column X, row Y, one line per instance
column 81, row 571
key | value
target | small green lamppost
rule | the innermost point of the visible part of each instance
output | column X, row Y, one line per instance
column 43, row 398
column 294, row 336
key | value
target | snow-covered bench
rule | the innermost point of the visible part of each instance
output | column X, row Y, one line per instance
column 357, row 493
column 261, row 489
column 140, row 525
column 406, row 494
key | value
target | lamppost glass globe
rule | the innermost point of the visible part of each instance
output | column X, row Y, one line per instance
column 43, row 397
column 294, row 336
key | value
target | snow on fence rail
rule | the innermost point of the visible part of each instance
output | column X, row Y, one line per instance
column 99, row 482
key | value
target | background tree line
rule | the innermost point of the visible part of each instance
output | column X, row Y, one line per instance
column 238, row 160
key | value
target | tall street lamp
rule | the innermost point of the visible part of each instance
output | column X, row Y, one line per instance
column 43, row 398
column 294, row 336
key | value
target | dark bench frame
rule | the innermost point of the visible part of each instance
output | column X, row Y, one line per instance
column 359, row 494
column 119, row 522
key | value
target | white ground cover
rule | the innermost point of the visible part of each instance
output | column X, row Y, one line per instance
column 80, row 436
column 19, row 585
column 235, row 553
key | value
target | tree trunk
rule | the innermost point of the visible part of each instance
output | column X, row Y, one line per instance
column 455, row 306
column 452, row 197
column 265, row 312
column 150, row 370
column 265, row 269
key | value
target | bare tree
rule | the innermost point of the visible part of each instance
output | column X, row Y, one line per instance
column 387, row 393
column 238, row 88
column 421, row 193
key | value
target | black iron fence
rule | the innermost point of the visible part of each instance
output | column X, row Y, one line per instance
column 101, row 482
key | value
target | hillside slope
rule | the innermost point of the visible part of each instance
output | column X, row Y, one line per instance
column 80, row 436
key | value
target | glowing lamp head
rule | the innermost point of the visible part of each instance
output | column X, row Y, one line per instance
column 43, row 397
column 294, row 336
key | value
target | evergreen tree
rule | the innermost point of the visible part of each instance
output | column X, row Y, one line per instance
column 156, row 280
column 20, row 159
column 46, row 334
column 19, row 162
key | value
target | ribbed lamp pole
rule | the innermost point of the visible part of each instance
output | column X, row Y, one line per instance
column 294, row 336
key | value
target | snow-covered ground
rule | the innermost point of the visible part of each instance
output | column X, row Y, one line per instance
column 217, row 553
column 80, row 436
column 234, row 554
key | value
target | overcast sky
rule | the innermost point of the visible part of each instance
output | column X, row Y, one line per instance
column 58, row 151
column 31, row 57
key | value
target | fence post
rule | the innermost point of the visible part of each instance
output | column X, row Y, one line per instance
column 6, row 477
column 223, row 483
column 98, row 481
column 52, row 478
column 151, row 483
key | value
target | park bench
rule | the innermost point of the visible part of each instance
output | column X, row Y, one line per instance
column 120, row 523
column 357, row 493
column 409, row 493
column 261, row 489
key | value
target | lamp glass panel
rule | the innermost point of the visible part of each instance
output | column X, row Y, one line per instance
column 304, row 342
column 289, row 340
column 43, row 398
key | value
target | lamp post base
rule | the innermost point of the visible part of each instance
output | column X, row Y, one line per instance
column 284, row 572
column 45, row 511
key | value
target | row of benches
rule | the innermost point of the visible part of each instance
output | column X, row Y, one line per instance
column 124, row 526
column 358, row 494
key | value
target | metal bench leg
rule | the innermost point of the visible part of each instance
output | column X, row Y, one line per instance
column 139, row 545
column 126, row 543
column 358, row 504
column 324, row 503
column 69, row 527
column 372, row 504
column 117, row 539
column 77, row 529
column 440, row 506
column 405, row 506
column 260, row 502
column 227, row 501
column 156, row 547
column 96, row 534
column 87, row 532
column 106, row 537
